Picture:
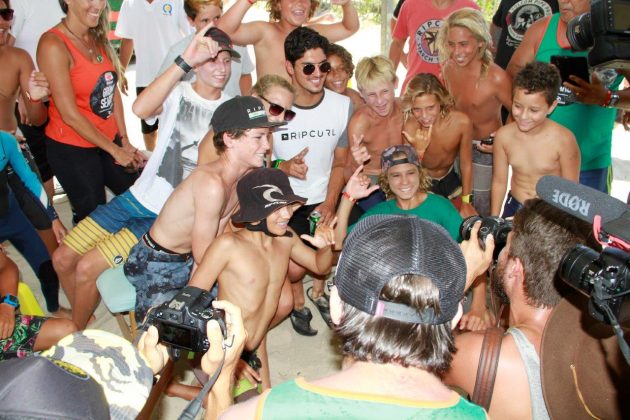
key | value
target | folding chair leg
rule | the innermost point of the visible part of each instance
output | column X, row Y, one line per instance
column 124, row 327
column 156, row 392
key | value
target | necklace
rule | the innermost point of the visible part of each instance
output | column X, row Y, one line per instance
column 99, row 57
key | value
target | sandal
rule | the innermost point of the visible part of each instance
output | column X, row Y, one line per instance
column 301, row 321
column 322, row 305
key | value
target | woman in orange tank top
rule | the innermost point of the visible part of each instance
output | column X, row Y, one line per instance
column 88, row 147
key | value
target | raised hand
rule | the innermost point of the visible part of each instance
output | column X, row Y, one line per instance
column 201, row 48
column 358, row 185
column 295, row 167
column 359, row 151
column 420, row 139
column 324, row 235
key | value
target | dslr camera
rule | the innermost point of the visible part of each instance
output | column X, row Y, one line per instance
column 182, row 321
column 606, row 31
column 498, row 227
column 604, row 277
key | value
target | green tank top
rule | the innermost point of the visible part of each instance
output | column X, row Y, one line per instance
column 591, row 124
column 298, row 399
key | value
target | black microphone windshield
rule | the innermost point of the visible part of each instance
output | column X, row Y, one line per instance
column 579, row 200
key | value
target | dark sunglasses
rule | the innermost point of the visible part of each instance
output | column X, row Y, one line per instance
column 6, row 14
column 309, row 68
column 275, row 110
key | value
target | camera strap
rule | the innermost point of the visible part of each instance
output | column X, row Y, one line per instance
column 193, row 407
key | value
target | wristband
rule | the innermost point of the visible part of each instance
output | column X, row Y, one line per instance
column 276, row 163
column 613, row 101
column 182, row 64
column 251, row 2
column 468, row 198
column 11, row 300
column 608, row 98
column 345, row 194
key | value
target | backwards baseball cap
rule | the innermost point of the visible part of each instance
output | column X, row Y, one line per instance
column 224, row 41
column 261, row 192
column 88, row 374
column 388, row 160
column 583, row 372
column 241, row 113
column 382, row 247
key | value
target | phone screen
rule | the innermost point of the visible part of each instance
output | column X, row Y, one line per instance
column 576, row 66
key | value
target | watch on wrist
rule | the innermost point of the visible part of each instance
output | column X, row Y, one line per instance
column 468, row 198
column 182, row 64
column 613, row 101
column 11, row 300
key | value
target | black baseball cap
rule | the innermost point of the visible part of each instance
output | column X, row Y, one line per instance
column 382, row 247
column 261, row 192
column 241, row 113
column 224, row 41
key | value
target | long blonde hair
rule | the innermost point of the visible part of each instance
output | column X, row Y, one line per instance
column 426, row 84
column 474, row 21
column 99, row 33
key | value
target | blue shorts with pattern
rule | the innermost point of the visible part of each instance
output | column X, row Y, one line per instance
column 157, row 275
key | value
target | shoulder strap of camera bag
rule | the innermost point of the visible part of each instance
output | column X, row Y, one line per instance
column 487, row 369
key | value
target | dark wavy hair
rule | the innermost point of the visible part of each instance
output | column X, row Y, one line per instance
column 301, row 40
column 538, row 77
column 381, row 340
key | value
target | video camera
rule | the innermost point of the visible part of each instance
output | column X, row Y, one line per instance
column 606, row 31
column 498, row 227
column 604, row 277
column 181, row 323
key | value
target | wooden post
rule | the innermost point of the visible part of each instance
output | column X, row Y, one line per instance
column 387, row 8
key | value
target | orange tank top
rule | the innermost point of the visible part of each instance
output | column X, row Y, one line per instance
column 94, row 86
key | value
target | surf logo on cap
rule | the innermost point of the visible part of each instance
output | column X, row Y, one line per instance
column 267, row 194
column 257, row 112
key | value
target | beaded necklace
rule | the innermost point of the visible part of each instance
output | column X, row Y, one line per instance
column 99, row 57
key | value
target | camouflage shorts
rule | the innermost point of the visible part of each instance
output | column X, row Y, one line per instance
column 156, row 275
column 21, row 343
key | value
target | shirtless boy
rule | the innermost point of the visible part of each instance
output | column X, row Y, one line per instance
column 200, row 207
column 251, row 264
column 377, row 126
column 284, row 17
column 479, row 87
column 341, row 70
column 440, row 135
column 533, row 145
column 105, row 238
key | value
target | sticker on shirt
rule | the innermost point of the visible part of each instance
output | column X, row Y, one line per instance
column 521, row 16
column 102, row 97
column 566, row 96
column 167, row 9
column 426, row 35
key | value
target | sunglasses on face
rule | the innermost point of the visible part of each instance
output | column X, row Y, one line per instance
column 6, row 14
column 275, row 110
column 309, row 68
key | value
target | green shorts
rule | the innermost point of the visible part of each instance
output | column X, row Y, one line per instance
column 21, row 343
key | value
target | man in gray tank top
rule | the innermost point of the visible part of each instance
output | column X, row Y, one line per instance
column 525, row 277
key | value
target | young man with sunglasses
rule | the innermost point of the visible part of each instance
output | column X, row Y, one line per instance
column 319, row 125
column 284, row 17
column 105, row 237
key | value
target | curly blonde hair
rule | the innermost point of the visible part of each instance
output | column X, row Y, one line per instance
column 426, row 84
column 474, row 21
column 273, row 7
column 423, row 186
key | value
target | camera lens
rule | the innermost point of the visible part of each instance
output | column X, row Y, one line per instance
column 466, row 226
column 575, row 265
column 579, row 32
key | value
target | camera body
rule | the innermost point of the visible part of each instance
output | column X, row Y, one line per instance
column 498, row 227
column 606, row 31
column 601, row 276
column 181, row 322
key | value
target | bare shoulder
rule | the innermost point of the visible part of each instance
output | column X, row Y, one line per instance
column 560, row 132
column 360, row 120
column 208, row 178
column 506, row 132
column 497, row 75
column 537, row 29
column 459, row 119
